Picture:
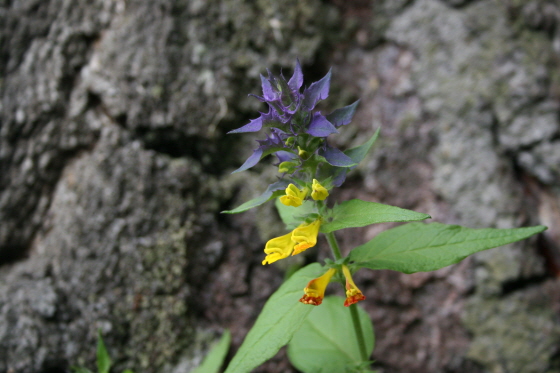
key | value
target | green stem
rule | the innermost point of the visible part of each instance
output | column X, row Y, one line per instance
column 359, row 332
column 333, row 243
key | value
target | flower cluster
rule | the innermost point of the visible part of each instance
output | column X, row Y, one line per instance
column 315, row 289
column 309, row 166
column 298, row 136
column 304, row 236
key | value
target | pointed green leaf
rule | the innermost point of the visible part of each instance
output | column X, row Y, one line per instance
column 326, row 342
column 280, row 318
column 343, row 116
column 258, row 154
column 215, row 358
column 293, row 216
column 337, row 158
column 358, row 213
column 419, row 247
column 358, row 153
column 273, row 191
column 103, row 359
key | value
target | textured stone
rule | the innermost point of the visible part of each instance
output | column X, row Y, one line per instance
column 111, row 137
column 543, row 161
column 487, row 89
column 114, row 167
column 505, row 328
column 106, row 258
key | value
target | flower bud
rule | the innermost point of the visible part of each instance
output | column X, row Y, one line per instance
column 303, row 153
column 290, row 141
column 319, row 192
column 294, row 196
column 287, row 167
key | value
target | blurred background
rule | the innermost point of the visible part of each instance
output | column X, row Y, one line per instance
column 114, row 166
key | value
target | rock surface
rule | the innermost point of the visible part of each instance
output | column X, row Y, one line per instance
column 114, row 165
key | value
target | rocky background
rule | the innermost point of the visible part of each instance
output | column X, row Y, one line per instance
column 114, row 166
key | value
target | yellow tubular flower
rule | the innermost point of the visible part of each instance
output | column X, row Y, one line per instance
column 294, row 196
column 319, row 192
column 315, row 290
column 353, row 294
column 305, row 236
column 278, row 248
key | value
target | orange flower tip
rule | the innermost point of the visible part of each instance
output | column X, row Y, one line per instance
column 315, row 301
column 300, row 248
column 354, row 299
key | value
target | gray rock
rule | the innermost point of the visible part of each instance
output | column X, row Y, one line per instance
column 543, row 161
column 486, row 89
column 111, row 140
column 114, row 167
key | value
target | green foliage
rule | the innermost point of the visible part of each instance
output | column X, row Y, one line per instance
column 358, row 213
column 215, row 358
column 328, row 338
column 358, row 153
column 103, row 359
column 326, row 341
column 349, row 214
column 293, row 216
column 273, row 191
column 280, row 318
column 419, row 247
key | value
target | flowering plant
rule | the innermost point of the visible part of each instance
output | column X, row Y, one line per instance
column 329, row 338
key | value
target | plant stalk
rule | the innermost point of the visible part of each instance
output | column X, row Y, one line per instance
column 333, row 243
column 359, row 331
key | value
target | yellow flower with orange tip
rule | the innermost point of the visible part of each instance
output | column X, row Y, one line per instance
column 305, row 236
column 278, row 248
column 315, row 289
column 353, row 294
column 298, row 240
column 294, row 196
column 319, row 192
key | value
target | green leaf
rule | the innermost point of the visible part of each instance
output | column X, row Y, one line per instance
column 293, row 216
column 280, row 318
column 127, row 371
column 103, row 359
column 358, row 213
column 273, row 191
column 215, row 358
column 326, row 342
column 419, row 247
column 274, row 150
column 358, row 153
